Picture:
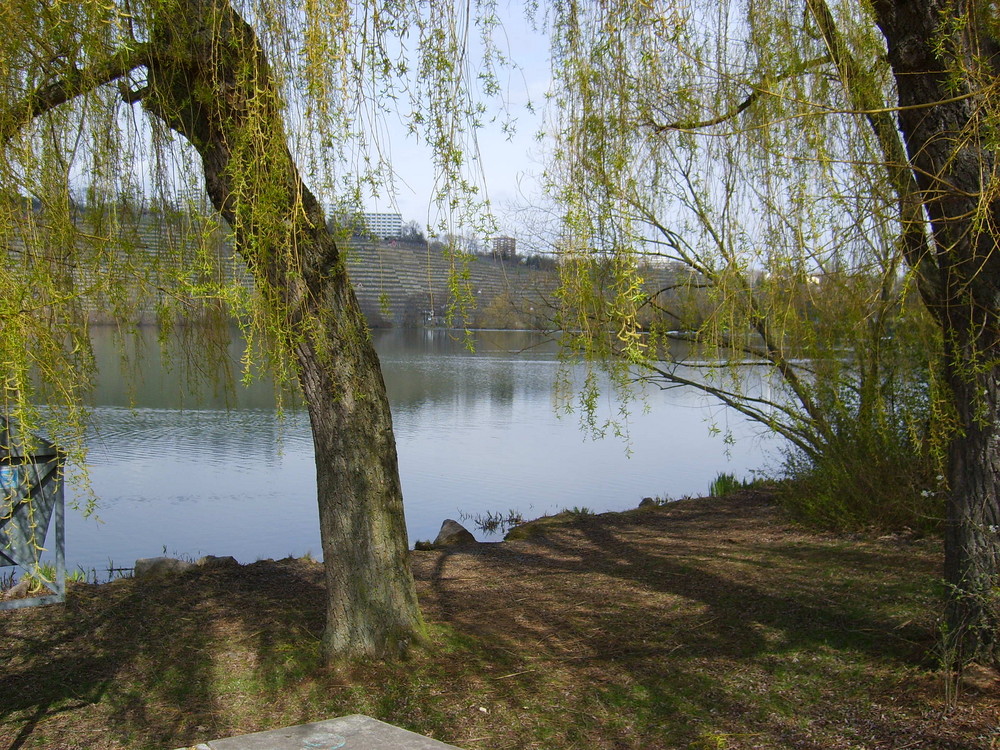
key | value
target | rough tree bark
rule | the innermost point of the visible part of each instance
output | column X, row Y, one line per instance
column 943, row 118
column 208, row 80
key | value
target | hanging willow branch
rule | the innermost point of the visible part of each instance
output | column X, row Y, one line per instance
column 767, row 166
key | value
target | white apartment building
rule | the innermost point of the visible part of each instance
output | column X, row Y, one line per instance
column 384, row 225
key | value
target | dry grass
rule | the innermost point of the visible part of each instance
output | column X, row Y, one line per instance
column 702, row 624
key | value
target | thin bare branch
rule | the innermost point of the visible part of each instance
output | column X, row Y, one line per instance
column 761, row 89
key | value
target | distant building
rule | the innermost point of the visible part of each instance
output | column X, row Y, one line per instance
column 192, row 196
column 504, row 247
column 384, row 225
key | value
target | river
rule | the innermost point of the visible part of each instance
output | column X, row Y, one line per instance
column 217, row 472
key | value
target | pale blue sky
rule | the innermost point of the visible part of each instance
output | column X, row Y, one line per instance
column 510, row 164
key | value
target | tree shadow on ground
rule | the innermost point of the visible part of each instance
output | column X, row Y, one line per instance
column 687, row 626
column 671, row 613
column 145, row 654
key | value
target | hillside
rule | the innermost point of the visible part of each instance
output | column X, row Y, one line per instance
column 408, row 285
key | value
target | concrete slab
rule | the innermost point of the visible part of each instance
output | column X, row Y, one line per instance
column 355, row 732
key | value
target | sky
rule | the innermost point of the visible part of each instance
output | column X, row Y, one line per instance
column 511, row 164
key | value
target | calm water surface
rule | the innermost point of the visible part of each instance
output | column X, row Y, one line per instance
column 476, row 432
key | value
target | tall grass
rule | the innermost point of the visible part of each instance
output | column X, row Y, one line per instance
column 725, row 483
column 492, row 522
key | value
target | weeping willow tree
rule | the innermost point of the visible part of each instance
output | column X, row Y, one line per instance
column 760, row 145
column 245, row 102
column 736, row 211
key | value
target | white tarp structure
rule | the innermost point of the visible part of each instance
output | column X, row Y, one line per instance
column 31, row 496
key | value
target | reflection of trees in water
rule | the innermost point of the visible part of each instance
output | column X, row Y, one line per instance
column 502, row 389
column 172, row 374
column 457, row 381
column 436, row 366
column 420, row 366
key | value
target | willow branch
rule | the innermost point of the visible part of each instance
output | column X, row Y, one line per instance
column 74, row 83
column 764, row 87
column 862, row 91
column 773, row 351
column 754, row 404
column 729, row 343
column 650, row 301
column 802, row 439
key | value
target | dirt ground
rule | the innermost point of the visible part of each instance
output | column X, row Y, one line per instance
column 710, row 623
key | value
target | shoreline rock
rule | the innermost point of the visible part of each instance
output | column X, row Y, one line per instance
column 154, row 567
column 453, row 534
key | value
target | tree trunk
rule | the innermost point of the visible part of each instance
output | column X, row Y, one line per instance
column 371, row 599
column 209, row 81
column 972, row 558
column 938, row 62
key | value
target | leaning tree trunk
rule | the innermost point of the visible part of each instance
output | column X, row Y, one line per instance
column 210, row 82
column 936, row 59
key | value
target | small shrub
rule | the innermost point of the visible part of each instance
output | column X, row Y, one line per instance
column 81, row 576
column 45, row 574
column 880, row 483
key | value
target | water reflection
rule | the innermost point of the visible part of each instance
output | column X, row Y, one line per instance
column 216, row 472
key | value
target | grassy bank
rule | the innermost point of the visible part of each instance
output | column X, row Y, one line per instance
column 700, row 624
